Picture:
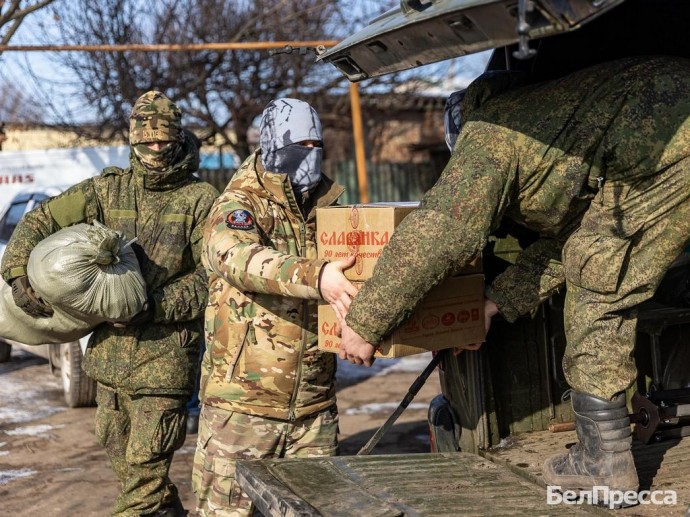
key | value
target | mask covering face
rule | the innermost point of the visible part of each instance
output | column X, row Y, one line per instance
column 452, row 117
column 157, row 160
column 302, row 164
column 284, row 124
column 155, row 118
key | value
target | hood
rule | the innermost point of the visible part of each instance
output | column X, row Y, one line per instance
column 252, row 177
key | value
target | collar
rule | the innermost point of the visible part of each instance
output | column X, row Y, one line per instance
column 253, row 177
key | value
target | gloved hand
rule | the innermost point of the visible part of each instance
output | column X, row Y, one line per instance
column 144, row 316
column 27, row 300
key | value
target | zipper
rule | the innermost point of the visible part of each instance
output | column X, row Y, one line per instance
column 248, row 340
column 303, row 338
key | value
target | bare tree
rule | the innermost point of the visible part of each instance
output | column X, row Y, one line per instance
column 13, row 104
column 220, row 92
column 13, row 13
column 16, row 107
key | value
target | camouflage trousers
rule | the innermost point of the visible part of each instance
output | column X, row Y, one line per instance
column 628, row 238
column 225, row 436
column 140, row 434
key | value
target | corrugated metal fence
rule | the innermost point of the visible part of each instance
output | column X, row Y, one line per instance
column 386, row 181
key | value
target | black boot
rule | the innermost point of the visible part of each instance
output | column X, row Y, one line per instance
column 603, row 456
column 172, row 510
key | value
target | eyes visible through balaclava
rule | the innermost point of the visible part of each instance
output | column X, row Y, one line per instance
column 157, row 157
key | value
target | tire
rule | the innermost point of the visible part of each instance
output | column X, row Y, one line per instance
column 80, row 390
column 5, row 352
column 442, row 426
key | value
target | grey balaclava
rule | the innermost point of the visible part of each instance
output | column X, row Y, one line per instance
column 452, row 117
column 285, row 123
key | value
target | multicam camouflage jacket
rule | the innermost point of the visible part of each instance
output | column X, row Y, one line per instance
column 536, row 155
column 166, row 213
column 261, row 322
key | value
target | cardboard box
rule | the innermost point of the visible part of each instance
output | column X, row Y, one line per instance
column 450, row 315
column 363, row 230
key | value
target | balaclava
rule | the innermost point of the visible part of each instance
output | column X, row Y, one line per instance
column 285, row 123
column 155, row 118
column 452, row 117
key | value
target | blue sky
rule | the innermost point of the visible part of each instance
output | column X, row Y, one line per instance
column 55, row 80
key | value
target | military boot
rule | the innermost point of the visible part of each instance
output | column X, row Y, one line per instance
column 603, row 456
column 171, row 509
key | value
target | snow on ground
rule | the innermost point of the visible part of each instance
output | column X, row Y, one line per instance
column 25, row 400
column 351, row 373
column 9, row 475
column 32, row 430
column 386, row 407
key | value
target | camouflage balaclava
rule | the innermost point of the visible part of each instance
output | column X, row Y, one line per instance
column 155, row 118
column 452, row 117
column 285, row 123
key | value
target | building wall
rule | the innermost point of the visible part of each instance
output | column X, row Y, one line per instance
column 397, row 129
column 23, row 138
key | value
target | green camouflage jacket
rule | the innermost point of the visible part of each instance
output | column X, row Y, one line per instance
column 261, row 322
column 534, row 154
column 166, row 213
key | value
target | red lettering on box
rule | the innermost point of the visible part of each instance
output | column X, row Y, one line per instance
column 354, row 217
column 329, row 329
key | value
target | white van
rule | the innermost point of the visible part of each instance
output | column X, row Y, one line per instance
column 65, row 358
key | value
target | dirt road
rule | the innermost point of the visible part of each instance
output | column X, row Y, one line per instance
column 50, row 464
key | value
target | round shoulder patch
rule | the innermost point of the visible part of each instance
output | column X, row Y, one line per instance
column 239, row 220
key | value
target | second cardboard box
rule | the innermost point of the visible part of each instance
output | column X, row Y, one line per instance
column 452, row 314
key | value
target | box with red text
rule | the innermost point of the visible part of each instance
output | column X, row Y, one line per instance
column 451, row 314
column 362, row 230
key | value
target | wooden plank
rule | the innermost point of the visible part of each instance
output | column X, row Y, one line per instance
column 412, row 485
column 269, row 495
column 272, row 485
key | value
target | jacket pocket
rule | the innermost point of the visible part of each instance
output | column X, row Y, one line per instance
column 170, row 431
column 267, row 367
column 226, row 349
column 595, row 261
column 106, row 416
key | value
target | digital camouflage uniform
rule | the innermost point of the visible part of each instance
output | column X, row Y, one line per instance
column 146, row 372
column 595, row 162
column 266, row 388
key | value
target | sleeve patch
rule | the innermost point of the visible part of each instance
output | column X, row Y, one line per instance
column 239, row 220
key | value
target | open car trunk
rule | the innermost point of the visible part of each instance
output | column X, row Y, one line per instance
column 507, row 399
column 420, row 32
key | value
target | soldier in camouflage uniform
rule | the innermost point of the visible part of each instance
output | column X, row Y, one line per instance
column 145, row 367
column 266, row 390
column 598, row 164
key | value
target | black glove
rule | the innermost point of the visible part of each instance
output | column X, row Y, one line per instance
column 144, row 316
column 27, row 300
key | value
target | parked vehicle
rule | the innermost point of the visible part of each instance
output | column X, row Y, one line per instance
column 64, row 359
column 508, row 402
